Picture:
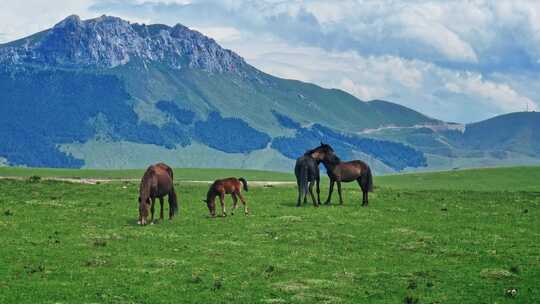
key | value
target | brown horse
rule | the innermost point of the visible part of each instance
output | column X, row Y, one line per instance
column 157, row 181
column 355, row 170
column 220, row 187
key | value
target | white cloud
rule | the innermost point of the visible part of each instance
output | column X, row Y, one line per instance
column 500, row 94
column 415, row 27
column 443, row 93
column 365, row 92
column 22, row 18
column 221, row 34
column 182, row 2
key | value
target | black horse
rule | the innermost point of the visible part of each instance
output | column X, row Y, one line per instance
column 307, row 172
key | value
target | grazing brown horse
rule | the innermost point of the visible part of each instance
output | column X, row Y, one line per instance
column 157, row 181
column 355, row 170
column 220, row 187
column 307, row 172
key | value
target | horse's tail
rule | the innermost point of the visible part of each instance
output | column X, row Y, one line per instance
column 302, row 179
column 367, row 178
column 169, row 170
column 244, row 182
column 173, row 201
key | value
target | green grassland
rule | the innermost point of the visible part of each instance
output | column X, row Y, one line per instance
column 486, row 179
column 181, row 174
column 448, row 237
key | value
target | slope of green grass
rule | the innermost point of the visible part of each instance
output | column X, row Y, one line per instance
column 390, row 113
column 66, row 243
column 487, row 179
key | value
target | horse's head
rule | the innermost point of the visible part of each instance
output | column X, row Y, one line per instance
column 324, row 153
column 143, row 210
column 211, row 203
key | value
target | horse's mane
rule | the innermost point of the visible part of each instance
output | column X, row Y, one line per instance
column 337, row 160
column 321, row 147
column 309, row 152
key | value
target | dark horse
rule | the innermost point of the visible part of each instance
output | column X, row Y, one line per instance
column 157, row 181
column 220, row 187
column 307, row 172
column 339, row 171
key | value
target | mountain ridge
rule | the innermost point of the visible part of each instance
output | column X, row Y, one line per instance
column 107, row 42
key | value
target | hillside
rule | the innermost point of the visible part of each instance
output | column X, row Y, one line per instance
column 506, row 140
column 516, row 132
column 398, row 115
column 106, row 93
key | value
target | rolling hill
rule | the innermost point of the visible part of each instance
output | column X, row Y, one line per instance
column 504, row 140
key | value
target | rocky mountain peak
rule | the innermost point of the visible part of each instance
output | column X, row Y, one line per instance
column 108, row 42
column 72, row 21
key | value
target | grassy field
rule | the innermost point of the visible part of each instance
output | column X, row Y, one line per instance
column 182, row 174
column 488, row 179
column 450, row 237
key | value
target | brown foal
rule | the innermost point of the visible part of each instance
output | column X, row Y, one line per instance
column 220, row 187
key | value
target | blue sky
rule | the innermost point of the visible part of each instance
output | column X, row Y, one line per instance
column 457, row 60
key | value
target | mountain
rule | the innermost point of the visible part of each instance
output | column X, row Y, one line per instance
column 514, row 132
column 107, row 93
column 508, row 139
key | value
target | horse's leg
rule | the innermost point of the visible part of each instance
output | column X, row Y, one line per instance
column 299, row 183
column 330, row 192
column 312, row 195
column 339, row 192
column 246, row 212
column 161, row 208
column 235, row 200
column 359, row 180
column 318, row 181
column 152, row 210
column 364, row 192
column 306, row 190
column 222, row 201
column 365, row 200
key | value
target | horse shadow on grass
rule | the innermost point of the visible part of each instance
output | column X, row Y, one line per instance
column 292, row 204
